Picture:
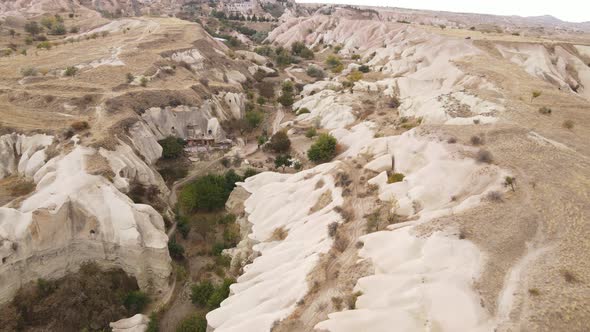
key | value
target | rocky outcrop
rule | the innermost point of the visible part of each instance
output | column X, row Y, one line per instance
column 175, row 121
column 76, row 215
column 21, row 154
column 137, row 323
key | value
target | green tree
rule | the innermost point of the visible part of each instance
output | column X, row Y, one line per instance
column 208, row 193
column 254, row 118
column 286, row 98
column 323, row 150
column 193, row 323
column 175, row 249
column 153, row 325
column 200, row 293
column 280, row 142
column 172, row 147
column 183, row 226
column 283, row 161
column 220, row 294
column 33, row 28
column 136, row 301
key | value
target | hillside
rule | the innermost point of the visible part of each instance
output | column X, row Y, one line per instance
column 335, row 169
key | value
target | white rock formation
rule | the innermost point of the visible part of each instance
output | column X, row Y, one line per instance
column 331, row 109
column 145, row 142
column 164, row 122
column 129, row 168
column 559, row 66
column 419, row 65
column 137, row 323
column 420, row 283
column 270, row 286
column 21, row 154
column 193, row 57
column 74, row 217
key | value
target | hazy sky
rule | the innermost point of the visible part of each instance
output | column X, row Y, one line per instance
column 567, row 10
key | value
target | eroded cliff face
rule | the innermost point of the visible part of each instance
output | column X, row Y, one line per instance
column 78, row 213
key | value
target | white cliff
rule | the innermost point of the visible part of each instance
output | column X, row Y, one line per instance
column 77, row 214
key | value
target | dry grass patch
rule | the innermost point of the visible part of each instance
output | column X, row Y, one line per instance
column 279, row 234
column 96, row 164
column 322, row 202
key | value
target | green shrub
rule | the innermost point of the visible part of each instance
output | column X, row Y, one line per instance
column 364, row 69
column 355, row 76
column 220, row 294
column 172, row 147
column 227, row 219
column 33, row 28
column 193, row 323
column 46, row 287
column 283, row 161
column 130, row 77
column 545, row 110
column 395, row 177
column 250, row 172
column 311, row 132
column 355, row 56
column 143, row 82
column 283, row 57
column 315, row 71
column 254, row 118
column 184, row 227
column 208, row 193
column 28, row 71
column 154, row 324
column 217, row 248
column 303, row 110
column 260, row 100
column 175, row 249
column 200, row 293
column 286, row 98
column 333, row 61
column 70, row 71
column 59, row 29
column 136, row 301
column 323, row 150
column 280, row 142
column 264, row 50
column 44, row 45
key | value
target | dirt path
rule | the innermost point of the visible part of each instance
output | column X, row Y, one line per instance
column 276, row 124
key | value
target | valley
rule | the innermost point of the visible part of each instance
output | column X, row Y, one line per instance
column 278, row 166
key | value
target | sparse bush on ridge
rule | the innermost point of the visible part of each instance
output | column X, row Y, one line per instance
column 476, row 140
column 80, row 125
column 315, row 71
column 28, row 71
column 568, row 124
column 545, row 110
column 494, row 196
column 484, row 156
column 70, row 71
column 395, row 177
